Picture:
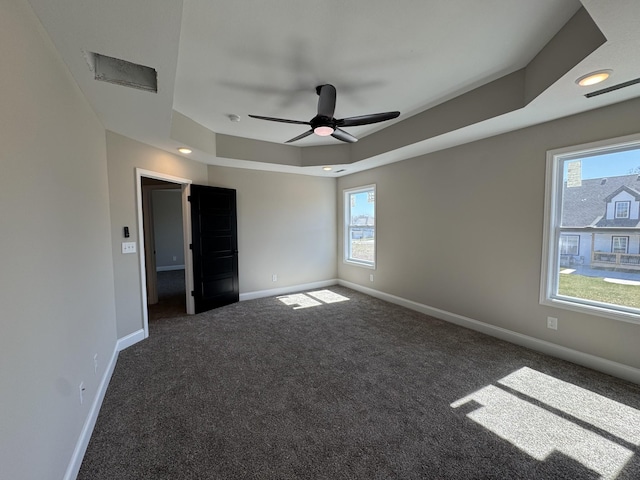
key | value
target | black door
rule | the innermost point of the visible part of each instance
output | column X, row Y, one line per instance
column 215, row 247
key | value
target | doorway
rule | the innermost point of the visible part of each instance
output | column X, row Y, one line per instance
column 164, row 281
column 164, row 248
column 210, row 262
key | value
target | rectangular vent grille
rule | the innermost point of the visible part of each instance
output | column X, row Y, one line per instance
column 613, row 88
column 121, row 72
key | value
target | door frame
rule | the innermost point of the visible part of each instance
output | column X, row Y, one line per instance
column 149, row 245
column 184, row 185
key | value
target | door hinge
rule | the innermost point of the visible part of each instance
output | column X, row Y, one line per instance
column 191, row 246
column 188, row 198
column 193, row 293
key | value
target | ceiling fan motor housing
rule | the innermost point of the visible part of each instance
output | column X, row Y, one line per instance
column 322, row 121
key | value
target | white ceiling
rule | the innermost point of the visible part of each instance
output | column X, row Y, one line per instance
column 219, row 57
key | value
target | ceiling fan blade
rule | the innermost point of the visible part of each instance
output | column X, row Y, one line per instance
column 305, row 134
column 367, row 119
column 327, row 100
column 281, row 120
column 344, row 136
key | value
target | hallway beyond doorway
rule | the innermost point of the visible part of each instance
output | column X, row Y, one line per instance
column 171, row 296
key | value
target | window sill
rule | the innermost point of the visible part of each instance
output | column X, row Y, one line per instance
column 592, row 309
column 355, row 263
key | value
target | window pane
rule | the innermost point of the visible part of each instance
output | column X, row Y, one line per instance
column 569, row 244
column 598, row 236
column 362, row 244
column 619, row 244
column 360, row 226
column 362, row 209
column 622, row 209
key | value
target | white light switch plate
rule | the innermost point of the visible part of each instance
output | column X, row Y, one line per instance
column 128, row 247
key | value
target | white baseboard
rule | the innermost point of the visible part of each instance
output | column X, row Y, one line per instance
column 610, row 367
column 131, row 339
column 284, row 290
column 87, row 429
column 168, row 268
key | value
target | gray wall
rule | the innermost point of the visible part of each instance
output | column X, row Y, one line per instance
column 123, row 157
column 286, row 226
column 167, row 228
column 461, row 230
column 56, row 280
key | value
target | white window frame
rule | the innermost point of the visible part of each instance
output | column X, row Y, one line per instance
column 626, row 211
column 347, row 227
column 551, row 230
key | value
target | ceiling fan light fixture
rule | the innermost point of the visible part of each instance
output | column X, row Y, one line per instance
column 593, row 78
column 325, row 124
column 323, row 131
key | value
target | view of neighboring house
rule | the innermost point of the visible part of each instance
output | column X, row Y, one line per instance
column 601, row 223
column 365, row 224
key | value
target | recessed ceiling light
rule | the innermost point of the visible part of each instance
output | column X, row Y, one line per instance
column 234, row 118
column 327, row 169
column 184, row 150
column 593, row 78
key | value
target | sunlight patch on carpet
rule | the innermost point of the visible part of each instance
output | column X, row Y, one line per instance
column 539, row 431
column 298, row 301
column 597, row 410
column 327, row 296
column 311, row 299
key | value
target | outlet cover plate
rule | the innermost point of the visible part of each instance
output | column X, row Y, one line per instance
column 128, row 247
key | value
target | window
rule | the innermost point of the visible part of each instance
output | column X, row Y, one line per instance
column 619, row 244
column 622, row 209
column 569, row 245
column 360, row 226
column 606, row 279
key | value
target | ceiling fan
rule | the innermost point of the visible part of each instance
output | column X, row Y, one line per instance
column 324, row 124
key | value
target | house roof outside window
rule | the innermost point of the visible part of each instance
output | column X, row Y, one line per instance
column 585, row 205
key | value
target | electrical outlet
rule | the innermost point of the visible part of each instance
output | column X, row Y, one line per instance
column 81, row 388
column 274, row 277
column 175, row 258
column 95, row 364
column 552, row 323
column 371, row 277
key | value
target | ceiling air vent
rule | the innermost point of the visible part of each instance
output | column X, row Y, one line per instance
column 613, row 88
column 121, row 72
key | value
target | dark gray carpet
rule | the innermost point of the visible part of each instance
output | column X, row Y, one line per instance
column 171, row 296
column 359, row 389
